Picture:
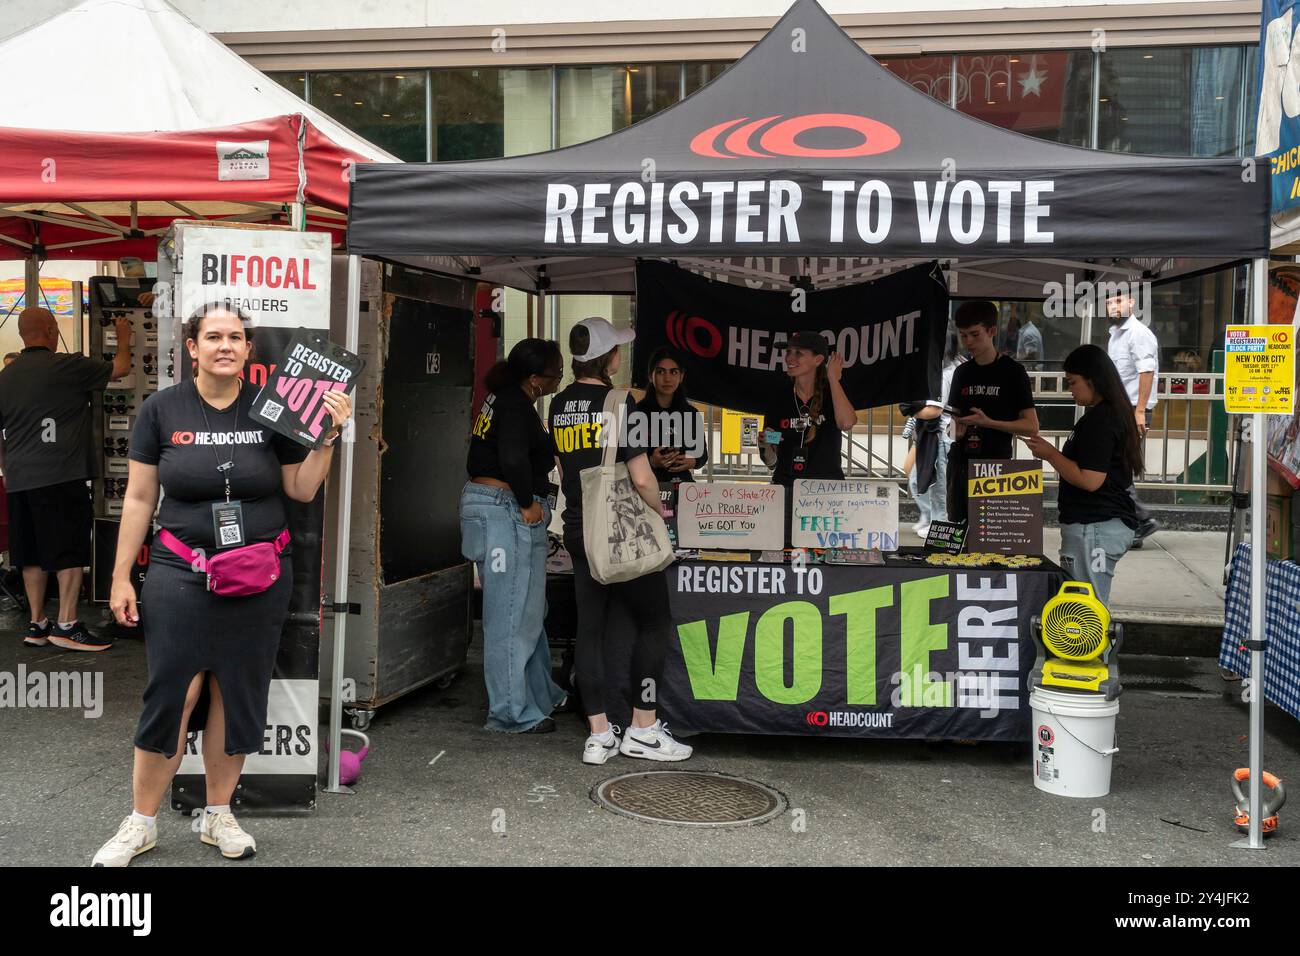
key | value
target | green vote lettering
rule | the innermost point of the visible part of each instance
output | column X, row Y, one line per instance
column 769, row 652
column 919, row 638
column 714, row 677
column 859, row 609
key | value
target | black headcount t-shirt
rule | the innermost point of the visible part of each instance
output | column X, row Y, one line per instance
column 797, row 454
column 1097, row 444
column 188, row 439
column 576, row 426
column 1001, row 390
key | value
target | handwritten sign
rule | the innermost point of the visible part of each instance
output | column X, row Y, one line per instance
column 844, row 514
column 725, row 514
column 290, row 401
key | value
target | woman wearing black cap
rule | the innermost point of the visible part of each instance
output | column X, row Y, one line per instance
column 802, row 428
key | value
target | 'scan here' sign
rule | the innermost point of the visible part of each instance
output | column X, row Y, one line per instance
column 1259, row 375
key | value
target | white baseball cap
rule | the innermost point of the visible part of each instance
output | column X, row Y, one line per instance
column 603, row 337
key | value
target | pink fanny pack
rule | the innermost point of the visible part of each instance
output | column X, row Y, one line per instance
column 238, row 572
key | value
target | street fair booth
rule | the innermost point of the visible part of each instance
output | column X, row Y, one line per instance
column 806, row 148
column 152, row 140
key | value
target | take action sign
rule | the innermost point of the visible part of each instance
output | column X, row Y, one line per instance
column 851, row 651
column 290, row 401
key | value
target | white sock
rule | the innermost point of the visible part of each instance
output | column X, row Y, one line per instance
column 606, row 737
column 42, row 623
column 224, row 808
column 65, row 625
column 147, row 821
column 652, row 727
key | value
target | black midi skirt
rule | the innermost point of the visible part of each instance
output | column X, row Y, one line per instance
column 187, row 630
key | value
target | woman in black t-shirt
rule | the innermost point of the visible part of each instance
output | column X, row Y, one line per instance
column 678, row 442
column 804, row 425
column 579, row 432
column 1096, row 466
column 503, row 518
column 218, row 469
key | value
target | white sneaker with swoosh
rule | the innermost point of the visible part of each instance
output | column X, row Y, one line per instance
column 654, row 743
column 595, row 752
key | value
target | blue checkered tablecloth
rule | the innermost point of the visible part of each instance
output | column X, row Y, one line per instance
column 1281, row 628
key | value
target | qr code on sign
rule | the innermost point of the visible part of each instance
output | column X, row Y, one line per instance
column 272, row 410
column 229, row 535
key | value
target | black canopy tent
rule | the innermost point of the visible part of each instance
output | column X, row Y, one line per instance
column 808, row 147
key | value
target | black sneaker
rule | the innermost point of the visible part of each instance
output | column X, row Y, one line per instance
column 1147, row 528
column 77, row 638
column 37, row 635
column 544, row 726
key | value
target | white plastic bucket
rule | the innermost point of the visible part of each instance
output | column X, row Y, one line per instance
column 1073, row 741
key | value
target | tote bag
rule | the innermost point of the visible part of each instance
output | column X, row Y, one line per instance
column 623, row 537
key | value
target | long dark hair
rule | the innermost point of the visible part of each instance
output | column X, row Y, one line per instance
column 579, row 342
column 680, row 401
column 1092, row 363
column 528, row 357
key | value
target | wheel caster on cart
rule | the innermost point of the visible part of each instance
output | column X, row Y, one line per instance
column 360, row 718
column 442, row 683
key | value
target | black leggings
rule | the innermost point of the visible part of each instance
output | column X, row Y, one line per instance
column 646, row 602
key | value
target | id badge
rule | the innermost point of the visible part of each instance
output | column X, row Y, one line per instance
column 228, row 524
column 797, row 464
column 552, row 495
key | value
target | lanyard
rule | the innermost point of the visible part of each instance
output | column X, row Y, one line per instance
column 801, row 410
column 223, row 468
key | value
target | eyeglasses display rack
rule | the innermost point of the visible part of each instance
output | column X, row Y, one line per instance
column 114, row 410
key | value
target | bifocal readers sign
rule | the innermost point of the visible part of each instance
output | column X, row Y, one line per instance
column 1260, row 372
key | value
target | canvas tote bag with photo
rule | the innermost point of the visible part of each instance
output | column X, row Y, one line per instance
column 624, row 538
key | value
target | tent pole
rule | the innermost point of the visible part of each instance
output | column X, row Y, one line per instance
column 1258, row 570
column 298, row 216
column 32, row 281
column 343, row 539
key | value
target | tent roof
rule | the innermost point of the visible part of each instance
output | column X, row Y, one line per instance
column 807, row 106
column 133, row 105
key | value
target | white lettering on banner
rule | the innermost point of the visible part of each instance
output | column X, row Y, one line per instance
column 767, row 211
column 857, row 345
column 730, row 579
column 988, row 645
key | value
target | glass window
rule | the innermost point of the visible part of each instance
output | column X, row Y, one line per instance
column 700, row 74
column 484, row 113
column 295, row 83
column 385, row 108
column 931, row 75
column 1174, row 101
column 1040, row 94
column 1252, row 101
column 595, row 100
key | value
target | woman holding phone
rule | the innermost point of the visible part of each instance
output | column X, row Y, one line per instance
column 1096, row 465
column 677, row 429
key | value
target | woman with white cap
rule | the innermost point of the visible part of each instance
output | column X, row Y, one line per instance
column 576, row 418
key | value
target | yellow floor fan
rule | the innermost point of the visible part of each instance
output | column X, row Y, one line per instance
column 1077, row 643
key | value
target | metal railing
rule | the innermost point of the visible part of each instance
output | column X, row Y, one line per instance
column 1187, row 447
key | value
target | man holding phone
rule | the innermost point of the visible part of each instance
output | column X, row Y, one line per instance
column 992, row 399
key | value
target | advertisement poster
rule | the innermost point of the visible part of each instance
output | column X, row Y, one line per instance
column 281, row 280
column 290, row 401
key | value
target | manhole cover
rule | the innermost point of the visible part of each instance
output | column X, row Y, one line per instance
column 690, row 798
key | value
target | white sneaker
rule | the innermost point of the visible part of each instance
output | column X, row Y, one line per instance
column 922, row 530
column 224, row 832
column 595, row 752
column 653, row 743
column 133, row 837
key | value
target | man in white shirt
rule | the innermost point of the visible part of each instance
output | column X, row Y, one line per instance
column 1029, row 347
column 1136, row 354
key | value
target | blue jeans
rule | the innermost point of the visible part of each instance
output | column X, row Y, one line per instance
column 933, row 504
column 1089, row 552
column 511, row 559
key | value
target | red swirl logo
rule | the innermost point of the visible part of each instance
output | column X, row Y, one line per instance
column 767, row 138
column 690, row 333
column 818, row 718
column 182, row 438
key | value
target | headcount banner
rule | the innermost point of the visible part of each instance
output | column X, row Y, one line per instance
column 732, row 338
column 850, row 651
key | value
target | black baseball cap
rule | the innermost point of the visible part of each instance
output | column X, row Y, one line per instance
column 813, row 342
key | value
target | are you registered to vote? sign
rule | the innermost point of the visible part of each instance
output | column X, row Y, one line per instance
column 1259, row 374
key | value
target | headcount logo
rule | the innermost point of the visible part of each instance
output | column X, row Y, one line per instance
column 744, row 139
